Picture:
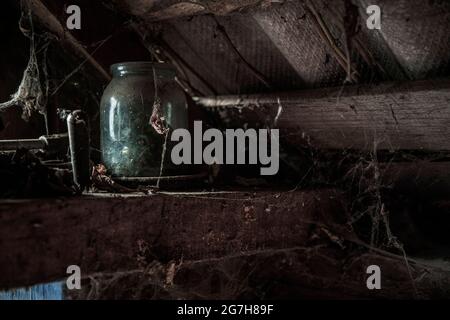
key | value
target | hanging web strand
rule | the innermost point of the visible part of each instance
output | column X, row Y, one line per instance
column 158, row 123
column 30, row 95
column 157, row 119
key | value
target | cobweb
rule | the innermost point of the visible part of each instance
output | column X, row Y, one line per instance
column 32, row 93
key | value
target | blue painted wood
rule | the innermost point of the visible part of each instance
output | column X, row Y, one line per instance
column 46, row 291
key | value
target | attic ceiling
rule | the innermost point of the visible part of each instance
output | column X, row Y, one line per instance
column 279, row 46
column 269, row 47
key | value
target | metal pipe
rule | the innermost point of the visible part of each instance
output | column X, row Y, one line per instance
column 55, row 142
column 14, row 144
column 78, row 129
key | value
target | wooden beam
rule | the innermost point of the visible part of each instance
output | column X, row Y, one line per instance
column 325, row 34
column 396, row 115
column 302, row 235
column 150, row 11
column 39, row 239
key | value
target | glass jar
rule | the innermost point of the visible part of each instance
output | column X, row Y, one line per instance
column 130, row 145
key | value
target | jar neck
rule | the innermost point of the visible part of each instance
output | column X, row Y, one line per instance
column 161, row 70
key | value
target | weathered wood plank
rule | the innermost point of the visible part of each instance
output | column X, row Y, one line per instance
column 151, row 10
column 39, row 239
column 398, row 115
column 292, row 244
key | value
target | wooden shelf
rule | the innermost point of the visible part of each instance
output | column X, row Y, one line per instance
column 40, row 238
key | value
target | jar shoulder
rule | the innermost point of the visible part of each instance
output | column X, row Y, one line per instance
column 127, row 89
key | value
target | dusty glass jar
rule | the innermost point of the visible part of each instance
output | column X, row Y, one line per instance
column 130, row 145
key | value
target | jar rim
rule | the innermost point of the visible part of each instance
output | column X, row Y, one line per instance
column 142, row 67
